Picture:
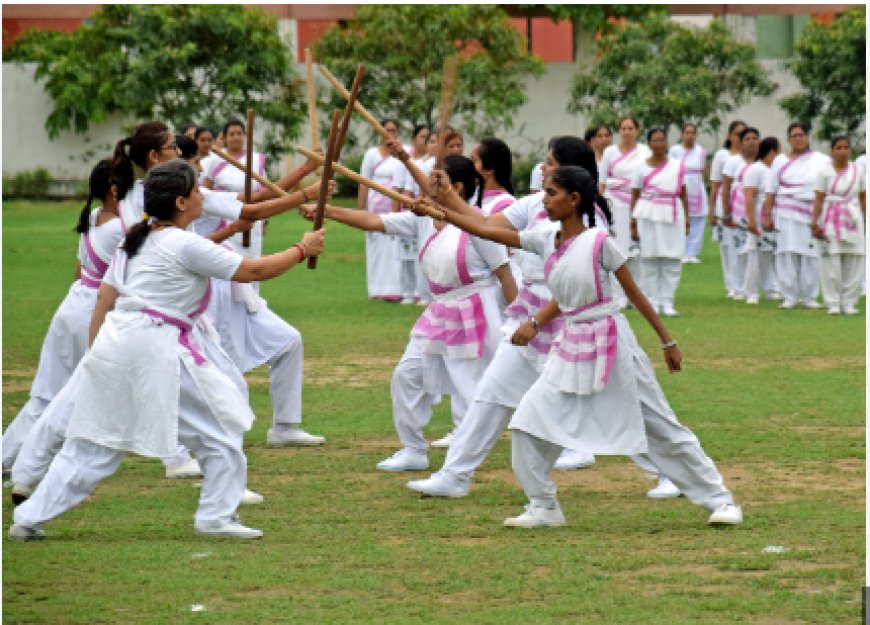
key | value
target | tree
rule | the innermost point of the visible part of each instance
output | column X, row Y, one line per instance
column 594, row 17
column 831, row 65
column 178, row 63
column 665, row 74
column 403, row 48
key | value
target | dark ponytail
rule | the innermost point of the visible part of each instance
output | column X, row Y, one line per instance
column 164, row 184
column 133, row 150
column 461, row 169
column 574, row 179
column 569, row 150
column 99, row 185
column 494, row 154
column 731, row 127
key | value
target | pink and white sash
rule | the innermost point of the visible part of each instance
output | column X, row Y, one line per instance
column 92, row 278
column 786, row 203
column 737, row 200
column 658, row 200
column 841, row 219
column 454, row 323
column 695, row 181
column 584, row 350
column 259, row 167
column 377, row 203
column 495, row 201
column 619, row 187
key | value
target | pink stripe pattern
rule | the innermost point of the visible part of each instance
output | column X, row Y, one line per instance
column 184, row 337
column 524, row 307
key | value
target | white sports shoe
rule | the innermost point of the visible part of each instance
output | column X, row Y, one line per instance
column 22, row 532
column 439, row 485
column 833, row 310
column 21, row 493
column 443, row 442
column 851, row 311
column 537, row 517
column 572, row 459
column 190, row 468
column 231, row 529
column 727, row 514
column 404, row 460
column 787, row 304
column 250, row 498
column 670, row 311
column 752, row 299
column 407, row 301
column 665, row 489
column 292, row 437
column 775, row 296
column 739, row 296
column 811, row 304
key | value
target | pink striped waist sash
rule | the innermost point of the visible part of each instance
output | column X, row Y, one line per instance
column 583, row 355
column 454, row 323
column 619, row 188
column 662, row 199
column 524, row 307
column 184, row 336
column 839, row 220
column 794, row 207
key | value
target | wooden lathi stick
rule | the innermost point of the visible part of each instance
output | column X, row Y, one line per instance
column 331, row 145
column 448, row 89
column 371, row 184
column 240, row 166
column 312, row 101
column 357, row 106
column 246, row 235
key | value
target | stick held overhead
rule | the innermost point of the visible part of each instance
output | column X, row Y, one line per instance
column 331, row 144
column 246, row 235
column 445, row 107
column 312, row 101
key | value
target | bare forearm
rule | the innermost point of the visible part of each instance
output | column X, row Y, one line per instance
column 636, row 297
column 549, row 312
column 360, row 219
column 483, row 230
column 508, row 284
column 266, row 267
column 270, row 208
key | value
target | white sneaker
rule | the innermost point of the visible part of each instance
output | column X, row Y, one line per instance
column 727, row 514
column 443, row 442
column 250, row 498
column 231, row 529
column 695, row 260
column 22, row 532
column 423, row 302
column 851, row 311
column 730, row 294
column 739, row 297
column 752, row 299
column 787, row 305
column 670, row 311
column 404, row 460
column 537, row 517
column 811, row 304
column 439, row 485
column 407, row 301
column 776, row 296
column 572, row 459
column 665, row 489
column 190, row 468
column 833, row 310
column 292, row 437
column 21, row 493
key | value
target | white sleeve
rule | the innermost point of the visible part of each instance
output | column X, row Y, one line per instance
column 862, row 180
column 637, row 177
column 223, row 204
column 603, row 165
column 109, row 276
column 518, row 213
column 674, row 152
column 822, row 181
column 403, row 224
column 493, row 254
column 754, row 176
column 538, row 241
column 730, row 168
column 611, row 258
column 718, row 163
column 206, row 258
column 773, row 177
column 537, row 179
column 368, row 163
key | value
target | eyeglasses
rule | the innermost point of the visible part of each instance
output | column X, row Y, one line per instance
column 797, row 135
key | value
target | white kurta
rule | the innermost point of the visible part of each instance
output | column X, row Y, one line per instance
column 383, row 271
column 661, row 219
column 605, row 421
column 225, row 177
column 793, row 181
column 128, row 397
column 616, row 172
column 841, row 218
column 694, row 161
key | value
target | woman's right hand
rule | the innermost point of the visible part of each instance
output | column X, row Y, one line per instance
column 313, row 242
column 396, row 149
column 767, row 223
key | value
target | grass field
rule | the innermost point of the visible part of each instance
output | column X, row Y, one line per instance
column 776, row 397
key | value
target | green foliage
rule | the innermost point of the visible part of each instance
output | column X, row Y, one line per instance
column 179, row 63
column 596, row 17
column 831, row 65
column 403, row 48
column 27, row 184
column 664, row 74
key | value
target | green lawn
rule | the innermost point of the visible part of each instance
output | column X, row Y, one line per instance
column 776, row 397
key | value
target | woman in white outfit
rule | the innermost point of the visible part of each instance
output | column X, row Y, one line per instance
column 791, row 192
column 838, row 219
column 694, row 158
column 67, row 338
column 145, row 383
column 734, row 204
column 408, row 248
column 383, row 270
column 722, row 233
column 597, row 392
column 760, row 246
column 616, row 171
column 456, row 336
column 514, row 368
column 659, row 220
column 599, row 138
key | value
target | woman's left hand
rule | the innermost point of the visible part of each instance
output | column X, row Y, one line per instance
column 524, row 334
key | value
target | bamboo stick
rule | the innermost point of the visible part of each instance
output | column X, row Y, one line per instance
column 312, row 101
column 359, row 107
column 249, row 158
column 331, row 147
column 263, row 181
column 448, row 89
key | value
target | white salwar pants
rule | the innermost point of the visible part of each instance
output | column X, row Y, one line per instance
column 695, row 238
column 760, row 274
column 81, row 465
column 17, row 431
column 841, row 276
column 798, row 277
column 660, row 278
column 728, row 252
column 673, row 450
